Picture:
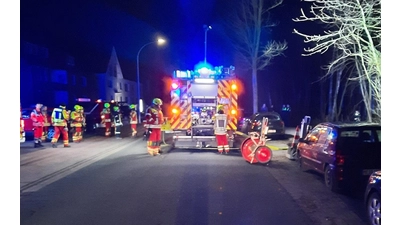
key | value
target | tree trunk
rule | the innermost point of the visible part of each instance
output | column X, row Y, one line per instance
column 254, row 86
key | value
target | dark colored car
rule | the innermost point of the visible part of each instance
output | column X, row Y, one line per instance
column 372, row 198
column 276, row 126
column 346, row 154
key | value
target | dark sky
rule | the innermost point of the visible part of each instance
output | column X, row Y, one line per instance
column 89, row 29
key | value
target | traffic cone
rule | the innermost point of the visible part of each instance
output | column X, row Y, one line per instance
column 292, row 150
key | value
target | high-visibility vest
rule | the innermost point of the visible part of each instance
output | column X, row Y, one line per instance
column 220, row 124
column 58, row 117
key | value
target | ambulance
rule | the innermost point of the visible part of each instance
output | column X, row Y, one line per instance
column 195, row 95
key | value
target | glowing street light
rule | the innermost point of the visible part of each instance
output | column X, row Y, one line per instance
column 159, row 41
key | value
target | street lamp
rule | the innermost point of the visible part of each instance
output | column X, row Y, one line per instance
column 159, row 41
column 206, row 28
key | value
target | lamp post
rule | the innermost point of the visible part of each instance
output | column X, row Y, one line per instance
column 159, row 41
column 206, row 28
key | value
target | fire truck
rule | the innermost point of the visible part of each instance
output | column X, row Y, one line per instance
column 195, row 96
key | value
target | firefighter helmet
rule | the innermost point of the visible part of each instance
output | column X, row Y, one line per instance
column 157, row 101
column 220, row 107
column 77, row 107
column 116, row 108
column 132, row 106
column 106, row 105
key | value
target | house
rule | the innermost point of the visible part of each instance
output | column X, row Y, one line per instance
column 113, row 86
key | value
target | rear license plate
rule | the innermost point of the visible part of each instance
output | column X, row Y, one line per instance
column 271, row 131
column 368, row 172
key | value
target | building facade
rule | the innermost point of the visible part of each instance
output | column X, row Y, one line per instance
column 113, row 86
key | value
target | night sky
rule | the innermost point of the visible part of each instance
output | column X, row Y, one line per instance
column 89, row 29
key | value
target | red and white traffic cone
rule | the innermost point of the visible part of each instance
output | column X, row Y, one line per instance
column 292, row 150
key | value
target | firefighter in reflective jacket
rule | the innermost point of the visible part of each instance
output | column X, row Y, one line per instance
column 59, row 118
column 220, row 130
column 133, row 119
column 46, row 123
column 21, row 126
column 37, row 122
column 154, row 119
column 117, row 116
column 76, row 124
column 106, row 119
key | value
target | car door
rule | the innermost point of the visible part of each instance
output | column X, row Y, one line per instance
column 307, row 149
column 322, row 148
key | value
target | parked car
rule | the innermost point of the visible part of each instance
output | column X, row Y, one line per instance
column 346, row 154
column 276, row 126
column 372, row 198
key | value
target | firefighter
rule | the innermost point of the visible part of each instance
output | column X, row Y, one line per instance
column 37, row 122
column 106, row 119
column 82, row 112
column 46, row 123
column 59, row 118
column 76, row 124
column 154, row 119
column 21, row 126
column 117, row 116
column 220, row 130
column 133, row 119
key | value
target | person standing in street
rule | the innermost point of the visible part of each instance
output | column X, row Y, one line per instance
column 133, row 119
column 76, row 124
column 59, row 118
column 46, row 123
column 82, row 112
column 106, row 119
column 37, row 122
column 220, row 130
column 154, row 119
column 117, row 116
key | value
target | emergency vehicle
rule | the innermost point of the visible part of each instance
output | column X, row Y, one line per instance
column 195, row 96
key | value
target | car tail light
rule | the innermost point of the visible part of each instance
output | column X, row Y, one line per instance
column 340, row 160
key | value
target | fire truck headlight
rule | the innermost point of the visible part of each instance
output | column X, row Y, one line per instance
column 174, row 111
column 233, row 112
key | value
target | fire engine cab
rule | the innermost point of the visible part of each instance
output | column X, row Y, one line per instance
column 195, row 96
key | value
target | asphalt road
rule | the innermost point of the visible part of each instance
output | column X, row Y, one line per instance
column 110, row 181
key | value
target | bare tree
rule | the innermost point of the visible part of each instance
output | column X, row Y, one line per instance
column 248, row 24
column 353, row 29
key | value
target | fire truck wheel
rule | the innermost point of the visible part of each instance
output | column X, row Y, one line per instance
column 263, row 154
column 247, row 149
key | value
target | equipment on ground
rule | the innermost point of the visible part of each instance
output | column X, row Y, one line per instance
column 254, row 148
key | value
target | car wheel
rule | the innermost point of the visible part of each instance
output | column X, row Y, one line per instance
column 374, row 209
column 50, row 133
column 329, row 179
